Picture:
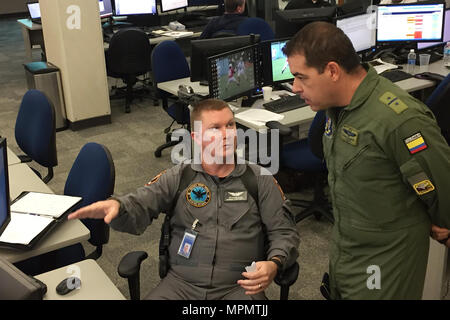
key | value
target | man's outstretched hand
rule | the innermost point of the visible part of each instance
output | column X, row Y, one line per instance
column 106, row 210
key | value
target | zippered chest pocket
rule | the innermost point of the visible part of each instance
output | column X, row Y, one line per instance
column 355, row 157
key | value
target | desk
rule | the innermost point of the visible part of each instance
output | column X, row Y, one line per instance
column 32, row 35
column 95, row 284
column 22, row 178
column 12, row 158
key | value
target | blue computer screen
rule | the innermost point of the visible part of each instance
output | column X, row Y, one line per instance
column 4, row 194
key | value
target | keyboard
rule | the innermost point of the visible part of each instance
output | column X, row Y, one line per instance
column 396, row 75
column 285, row 103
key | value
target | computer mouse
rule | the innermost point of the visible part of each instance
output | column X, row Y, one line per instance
column 67, row 285
column 429, row 76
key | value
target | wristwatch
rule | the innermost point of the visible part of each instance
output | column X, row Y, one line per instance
column 279, row 261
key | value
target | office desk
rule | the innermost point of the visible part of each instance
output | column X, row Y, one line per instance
column 22, row 178
column 12, row 158
column 32, row 35
column 95, row 284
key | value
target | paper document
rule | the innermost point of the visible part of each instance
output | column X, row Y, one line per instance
column 381, row 66
column 24, row 227
column 178, row 34
column 52, row 205
column 258, row 116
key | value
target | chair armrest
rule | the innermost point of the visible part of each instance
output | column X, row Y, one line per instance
column 288, row 276
column 130, row 264
column 284, row 130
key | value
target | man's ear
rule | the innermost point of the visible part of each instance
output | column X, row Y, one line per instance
column 334, row 71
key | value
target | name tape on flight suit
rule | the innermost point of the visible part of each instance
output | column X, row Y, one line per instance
column 391, row 100
column 415, row 143
column 421, row 183
column 235, row 196
column 198, row 195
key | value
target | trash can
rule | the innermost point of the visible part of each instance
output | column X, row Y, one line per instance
column 46, row 77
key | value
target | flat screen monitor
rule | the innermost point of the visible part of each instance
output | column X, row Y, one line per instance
column 204, row 48
column 168, row 5
column 446, row 37
column 134, row 7
column 233, row 74
column 205, row 2
column 360, row 29
column 275, row 65
column 410, row 22
column 5, row 214
column 289, row 22
column 34, row 10
column 105, row 7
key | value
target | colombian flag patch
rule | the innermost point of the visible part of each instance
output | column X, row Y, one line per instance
column 415, row 143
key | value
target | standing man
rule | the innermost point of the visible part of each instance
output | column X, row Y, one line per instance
column 228, row 22
column 388, row 164
column 217, row 227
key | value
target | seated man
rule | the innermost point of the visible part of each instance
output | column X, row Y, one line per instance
column 228, row 22
column 217, row 227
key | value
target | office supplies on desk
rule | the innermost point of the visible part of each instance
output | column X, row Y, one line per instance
column 285, row 103
column 380, row 66
column 33, row 215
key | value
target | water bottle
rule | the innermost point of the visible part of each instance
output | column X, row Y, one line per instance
column 411, row 62
column 447, row 55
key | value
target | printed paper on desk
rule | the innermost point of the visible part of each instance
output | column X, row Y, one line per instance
column 44, row 204
column 258, row 116
column 24, row 227
column 178, row 34
column 381, row 66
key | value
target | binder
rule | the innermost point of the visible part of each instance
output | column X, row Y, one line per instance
column 33, row 216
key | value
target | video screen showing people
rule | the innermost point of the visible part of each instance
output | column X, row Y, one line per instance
column 280, row 66
column 236, row 74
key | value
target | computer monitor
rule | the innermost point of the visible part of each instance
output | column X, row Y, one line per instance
column 134, row 7
column 16, row 285
column 410, row 22
column 204, row 48
column 289, row 22
column 205, row 2
column 34, row 10
column 360, row 29
column 105, row 7
column 446, row 37
column 169, row 5
column 5, row 214
column 275, row 65
column 233, row 74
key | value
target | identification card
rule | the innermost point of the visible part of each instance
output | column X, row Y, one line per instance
column 187, row 243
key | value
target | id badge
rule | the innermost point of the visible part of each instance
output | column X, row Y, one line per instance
column 187, row 243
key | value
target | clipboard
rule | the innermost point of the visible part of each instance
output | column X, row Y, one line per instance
column 38, row 224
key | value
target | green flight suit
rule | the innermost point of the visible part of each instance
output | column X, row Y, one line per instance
column 389, row 177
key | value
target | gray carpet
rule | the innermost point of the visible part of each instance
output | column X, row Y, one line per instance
column 132, row 139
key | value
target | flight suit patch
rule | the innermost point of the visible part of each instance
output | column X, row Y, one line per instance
column 198, row 195
column 421, row 183
column 393, row 102
column 235, row 196
column 156, row 178
column 349, row 135
column 415, row 143
column 328, row 127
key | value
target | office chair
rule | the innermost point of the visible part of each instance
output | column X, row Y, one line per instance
column 91, row 177
column 35, row 131
column 127, row 58
column 169, row 63
column 256, row 26
column 130, row 265
column 307, row 156
column 438, row 103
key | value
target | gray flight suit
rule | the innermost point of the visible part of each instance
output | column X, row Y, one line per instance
column 231, row 231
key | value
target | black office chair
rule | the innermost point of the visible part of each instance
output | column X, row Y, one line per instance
column 169, row 63
column 438, row 102
column 130, row 266
column 306, row 156
column 128, row 56
column 35, row 131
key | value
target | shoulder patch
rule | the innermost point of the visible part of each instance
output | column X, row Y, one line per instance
column 156, row 178
column 421, row 183
column 393, row 102
column 415, row 143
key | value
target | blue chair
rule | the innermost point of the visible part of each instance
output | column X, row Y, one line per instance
column 438, row 102
column 35, row 131
column 169, row 63
column 256, row 26
column 91, row 177
column 306, row 156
